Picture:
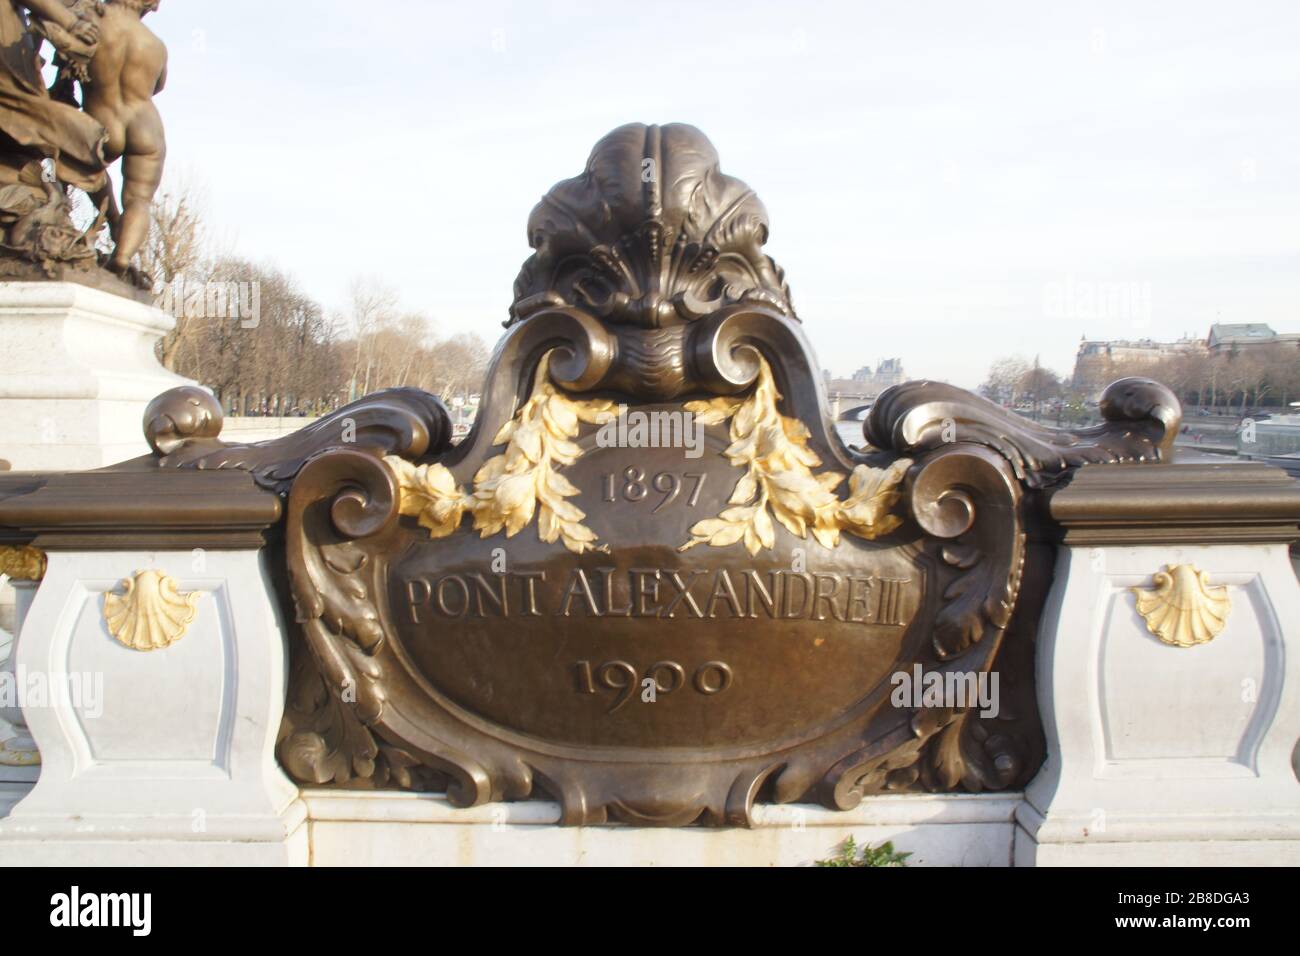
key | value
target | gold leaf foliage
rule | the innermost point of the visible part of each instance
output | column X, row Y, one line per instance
column 430, row 493
column 522, row 483
column 1184, row 609
column 22, row 562
column 779, row 481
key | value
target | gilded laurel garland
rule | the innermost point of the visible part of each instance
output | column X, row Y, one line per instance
column 22, row 563
column 1184, row 609
column 773, row 450
column 513, row 487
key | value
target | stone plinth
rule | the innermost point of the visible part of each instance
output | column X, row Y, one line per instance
column 1166, row 753
column 78, row 370
column 156, row 723
column 407, row 829
column 162, row 755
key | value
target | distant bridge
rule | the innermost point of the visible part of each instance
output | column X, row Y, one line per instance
column 850, row 407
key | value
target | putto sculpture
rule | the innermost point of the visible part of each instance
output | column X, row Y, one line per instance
column 639, row 634
column 51, row 143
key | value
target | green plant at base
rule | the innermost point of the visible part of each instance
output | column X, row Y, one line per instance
column 883, row 855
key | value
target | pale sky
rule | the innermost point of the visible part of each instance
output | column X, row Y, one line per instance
column 947, row 182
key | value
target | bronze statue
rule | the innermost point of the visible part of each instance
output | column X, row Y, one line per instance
column 637, row 633
column 47, row 143
column 127, row 70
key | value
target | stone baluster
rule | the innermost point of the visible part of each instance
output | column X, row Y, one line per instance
column 17, row 749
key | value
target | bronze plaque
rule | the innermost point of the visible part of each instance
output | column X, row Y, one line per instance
column 644, row 645
column 653, row 583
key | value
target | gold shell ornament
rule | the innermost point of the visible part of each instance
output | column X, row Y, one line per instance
column 1184, row 609
column 151, row 614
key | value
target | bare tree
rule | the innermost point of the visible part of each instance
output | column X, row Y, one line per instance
column 1039, row 385
column 1006, row 379
column 175, row 250
column 373, row 304
column 295, row 359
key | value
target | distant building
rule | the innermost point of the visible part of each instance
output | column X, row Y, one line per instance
column 887, row 373
column 867, row 382
column 1096, row 361
column 1228, row 337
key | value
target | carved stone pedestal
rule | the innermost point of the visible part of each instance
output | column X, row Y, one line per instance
column 162, row 683
column 1169, row 673
column 78, row 371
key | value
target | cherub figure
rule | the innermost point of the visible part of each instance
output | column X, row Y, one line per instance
column 32, row 124
column 128, row 68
